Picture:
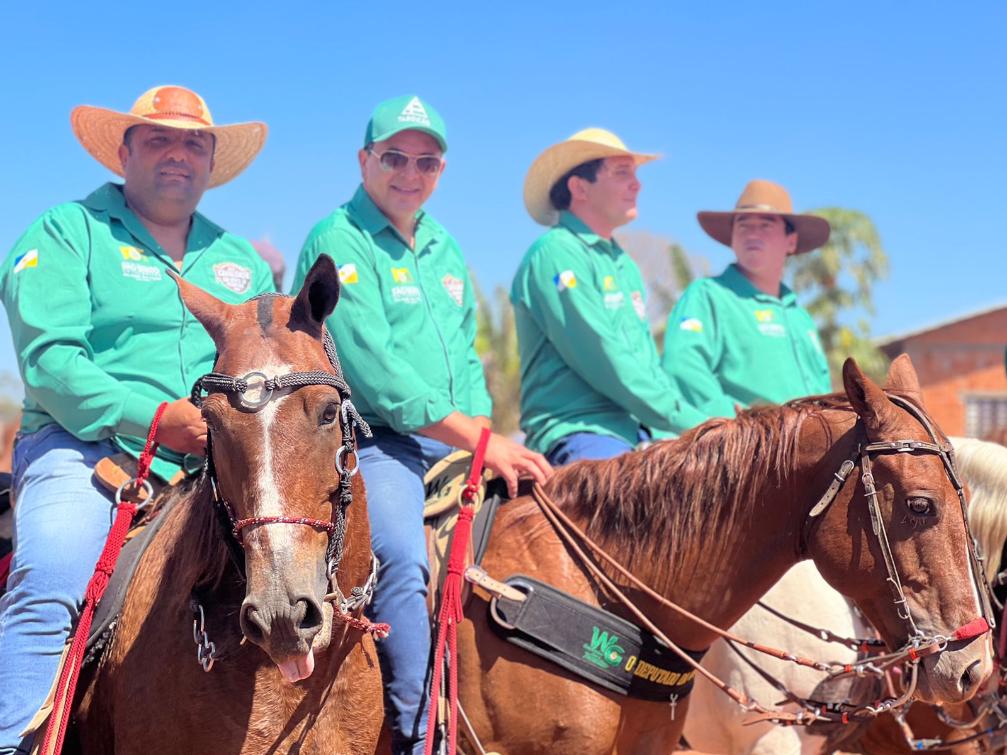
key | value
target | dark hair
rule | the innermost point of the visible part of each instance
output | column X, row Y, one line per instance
column 559, row 194
column 787, row 225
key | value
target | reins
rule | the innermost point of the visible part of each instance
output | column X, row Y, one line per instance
column 918, row 645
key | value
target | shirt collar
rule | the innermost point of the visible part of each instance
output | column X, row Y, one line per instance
column 369, row 216
column 110, row 199
column 735, row 280
column 580, row 229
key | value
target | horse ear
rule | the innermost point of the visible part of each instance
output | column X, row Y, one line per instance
column 318, row 295
column 902, row 378
column 207, row 308
column 868, row 400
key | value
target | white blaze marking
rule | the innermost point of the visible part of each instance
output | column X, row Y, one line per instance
column 269, row 501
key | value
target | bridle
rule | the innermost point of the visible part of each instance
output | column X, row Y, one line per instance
column 346, row 608
column 216, row 382
column 919, row 643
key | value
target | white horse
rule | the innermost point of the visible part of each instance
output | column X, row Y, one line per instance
column 716, row 724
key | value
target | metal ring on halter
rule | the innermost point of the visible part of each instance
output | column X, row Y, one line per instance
column 340, row 455
column 267, row 391
column 146, row 487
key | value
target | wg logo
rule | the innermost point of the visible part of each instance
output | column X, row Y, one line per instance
column 604, row 650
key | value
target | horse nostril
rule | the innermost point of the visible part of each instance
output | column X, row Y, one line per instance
column 252, row 625
column 307, row 616
column 968, row 679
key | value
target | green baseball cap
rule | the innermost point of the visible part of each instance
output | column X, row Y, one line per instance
column 405, row 113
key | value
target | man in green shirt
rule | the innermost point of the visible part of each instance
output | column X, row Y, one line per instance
column 405, row 330
column 591, row 380
column 741, row 338
column 102, row 339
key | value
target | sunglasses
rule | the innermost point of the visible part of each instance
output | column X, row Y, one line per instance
column 393, row 160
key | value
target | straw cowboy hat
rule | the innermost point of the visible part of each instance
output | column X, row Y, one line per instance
column 559, row 159
column 767, row 198
column 101, row 130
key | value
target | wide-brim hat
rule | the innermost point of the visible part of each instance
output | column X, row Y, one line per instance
column 762, row 197
column 559, row 159
column 101, row 130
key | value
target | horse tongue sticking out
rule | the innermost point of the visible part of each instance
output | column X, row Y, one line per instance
column 252, row 544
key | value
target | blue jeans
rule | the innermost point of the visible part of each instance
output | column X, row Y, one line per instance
column 393, row 466
column 61, row 522
column 590, row 446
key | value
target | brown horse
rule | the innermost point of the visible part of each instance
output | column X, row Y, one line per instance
column 711, row 521
column 306, row 682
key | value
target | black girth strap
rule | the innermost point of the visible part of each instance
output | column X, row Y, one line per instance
column 591, row 642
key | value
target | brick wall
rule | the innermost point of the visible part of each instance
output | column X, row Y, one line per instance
column 955, row 360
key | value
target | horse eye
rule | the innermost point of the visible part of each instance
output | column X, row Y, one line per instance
column 329, row 415
column 920, row 505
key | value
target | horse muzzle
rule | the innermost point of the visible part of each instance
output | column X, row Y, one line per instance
column 286, row 629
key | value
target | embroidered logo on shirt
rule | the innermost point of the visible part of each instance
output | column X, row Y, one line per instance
column 639, row 305
column 766, row 325
column 402, row 275
column 26, row 260
column 131, row 253
column 609, row 283
column 348, row 273
column 455, row 288
column 614, row 300
column 690, row 324
column 233, row 276
column 138, row 272
column 414, row 112
column 406, row 294
column 565, row 280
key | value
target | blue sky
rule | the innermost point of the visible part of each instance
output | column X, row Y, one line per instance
column 894, row 109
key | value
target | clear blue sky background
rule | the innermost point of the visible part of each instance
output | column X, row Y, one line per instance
column 895, row 109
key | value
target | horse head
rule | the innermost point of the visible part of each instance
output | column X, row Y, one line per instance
column 898, row 542
column 279, row 429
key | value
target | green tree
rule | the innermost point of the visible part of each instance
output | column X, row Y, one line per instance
column 836, row 283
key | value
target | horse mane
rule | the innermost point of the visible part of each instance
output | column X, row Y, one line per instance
column 688, row 498
column 983, row 466
column 199, row 554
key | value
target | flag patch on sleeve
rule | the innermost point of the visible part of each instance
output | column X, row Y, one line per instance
column 348, row 273
column 565, row 280
column 691, row 324
column 26, row 260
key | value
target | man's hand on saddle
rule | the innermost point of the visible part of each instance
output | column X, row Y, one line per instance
column 182, row 428
column 512, row 461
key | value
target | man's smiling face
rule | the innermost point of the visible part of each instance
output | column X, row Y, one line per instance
column 166, row 166
column 400, row 193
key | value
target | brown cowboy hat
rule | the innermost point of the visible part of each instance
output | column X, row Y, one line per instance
column 556, row 161
column 100, row 130
column 762, row 197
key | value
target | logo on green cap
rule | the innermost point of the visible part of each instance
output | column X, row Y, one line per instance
column 414, row 112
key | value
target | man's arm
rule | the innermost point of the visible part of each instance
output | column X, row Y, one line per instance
column 692, row 351
column 49, row 309
column 576, row 322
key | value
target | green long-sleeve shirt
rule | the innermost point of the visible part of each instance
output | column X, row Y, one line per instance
column 405, row 324
column 728, row 343
column 588, row 360
column 99, row 328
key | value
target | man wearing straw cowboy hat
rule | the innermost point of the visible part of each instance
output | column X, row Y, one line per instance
column 742, row 338
column 405, row 328
column 591, row 379
column 102, row 339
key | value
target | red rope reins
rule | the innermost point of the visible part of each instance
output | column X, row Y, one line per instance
column 63, row 700
column 451, row 611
